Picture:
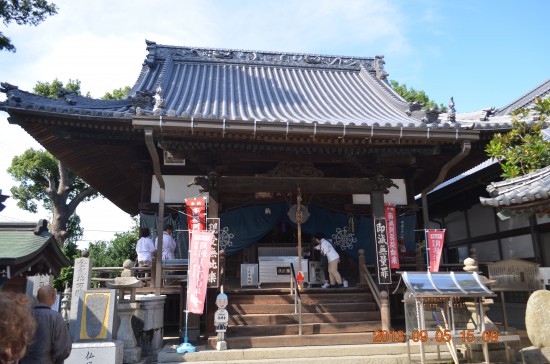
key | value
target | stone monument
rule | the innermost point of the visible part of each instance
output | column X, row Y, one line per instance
column 537, row 322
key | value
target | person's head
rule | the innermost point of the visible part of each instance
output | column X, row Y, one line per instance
column 317, row 237
column 168, row 228
column 46, row 295
column 144, row 232
column 17, row 326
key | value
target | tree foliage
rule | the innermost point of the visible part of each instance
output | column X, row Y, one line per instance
column 44, row 179
column 55, row 89
column 117, row 94
column 23, row 12
column 523, row 149
column 113, row 253
column 412, row 95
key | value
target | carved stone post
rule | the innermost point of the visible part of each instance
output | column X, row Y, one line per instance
column 66, row 303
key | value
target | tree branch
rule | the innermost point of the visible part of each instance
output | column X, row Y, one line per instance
column 79, row 198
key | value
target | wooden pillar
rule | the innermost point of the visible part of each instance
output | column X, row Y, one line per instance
column 213, row 195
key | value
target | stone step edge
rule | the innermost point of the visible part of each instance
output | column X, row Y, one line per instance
column 168, row 353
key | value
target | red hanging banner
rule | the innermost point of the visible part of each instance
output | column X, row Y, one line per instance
column 195, row 208
column 391, row 230
column 199, row 264
column 435, row 239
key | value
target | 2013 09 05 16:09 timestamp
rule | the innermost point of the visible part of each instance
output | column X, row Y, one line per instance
column 399, row 336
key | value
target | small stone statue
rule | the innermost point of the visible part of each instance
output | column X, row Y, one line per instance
column 221, row 319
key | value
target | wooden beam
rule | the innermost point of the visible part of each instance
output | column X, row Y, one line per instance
column 230, row 184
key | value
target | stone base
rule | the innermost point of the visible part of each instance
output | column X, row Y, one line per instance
column 534, row 355
column 221, row 345
column 132, row 355
column 97, row 352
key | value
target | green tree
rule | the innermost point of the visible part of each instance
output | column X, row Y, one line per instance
column 72, row 252
column 523, row 149
column 55, row 89
column 117, row 94
column 412, row 95
column 23, row 12
column 43, row 178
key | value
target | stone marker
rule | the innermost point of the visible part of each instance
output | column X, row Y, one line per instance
column 96, row 353
column 96, row 316
column 81, row 282
column 35, row 282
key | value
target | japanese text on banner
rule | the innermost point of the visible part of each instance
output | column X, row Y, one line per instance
column 391, row 221
column 435, row 240
column 199, row 264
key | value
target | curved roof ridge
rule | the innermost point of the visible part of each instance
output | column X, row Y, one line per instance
column 256, row 57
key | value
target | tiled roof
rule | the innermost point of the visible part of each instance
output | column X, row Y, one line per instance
column 541, row 91
column 18, row 240
column 267, row 86
column 29, row 248
column 531, row 191
column 228, row 84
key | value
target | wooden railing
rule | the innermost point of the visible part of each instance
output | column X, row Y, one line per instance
column 174, row 271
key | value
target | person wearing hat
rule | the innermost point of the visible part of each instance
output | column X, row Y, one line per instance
column 168, row 243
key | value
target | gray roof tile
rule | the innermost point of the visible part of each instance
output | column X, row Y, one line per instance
column 515, row 192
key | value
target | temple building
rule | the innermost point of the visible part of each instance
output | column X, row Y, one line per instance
column 260, row 135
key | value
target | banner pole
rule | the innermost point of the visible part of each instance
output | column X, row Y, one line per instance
column 427, row 250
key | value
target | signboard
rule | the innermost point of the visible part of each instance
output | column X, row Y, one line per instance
column 435, row 239
column 391, row 221
column 213, row 226
column 382, row 258
column 199, row 264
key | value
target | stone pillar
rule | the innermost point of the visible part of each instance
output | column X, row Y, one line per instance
column 82, row 277
column 150, row 339
column 132, row 352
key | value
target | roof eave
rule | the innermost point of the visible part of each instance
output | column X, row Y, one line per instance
column 256, row 127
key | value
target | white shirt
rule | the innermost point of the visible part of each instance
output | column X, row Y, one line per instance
column 145, row 249
column 327, row 249
column 168, row 246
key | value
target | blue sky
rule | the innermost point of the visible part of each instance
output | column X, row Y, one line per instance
column 483, row 53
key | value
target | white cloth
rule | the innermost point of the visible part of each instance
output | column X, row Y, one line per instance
column 145, row 249
column 327, row 249
column 168, row 246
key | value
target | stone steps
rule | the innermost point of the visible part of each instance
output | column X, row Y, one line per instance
column 325, row 353
column 293, row 318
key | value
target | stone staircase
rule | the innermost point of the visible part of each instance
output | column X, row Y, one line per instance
column 266, row 318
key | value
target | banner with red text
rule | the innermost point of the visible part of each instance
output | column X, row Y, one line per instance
column 195, row 209
column 435, row 239
column 391, row 231
column 197, row 274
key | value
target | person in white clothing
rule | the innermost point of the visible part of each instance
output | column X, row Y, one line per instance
column 168, row 243
column 333, row 258
column 145, row 248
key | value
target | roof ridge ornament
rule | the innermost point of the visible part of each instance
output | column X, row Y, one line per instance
column 381, row 73
column 451, row 115
column 159, row 101
column 180, row 53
